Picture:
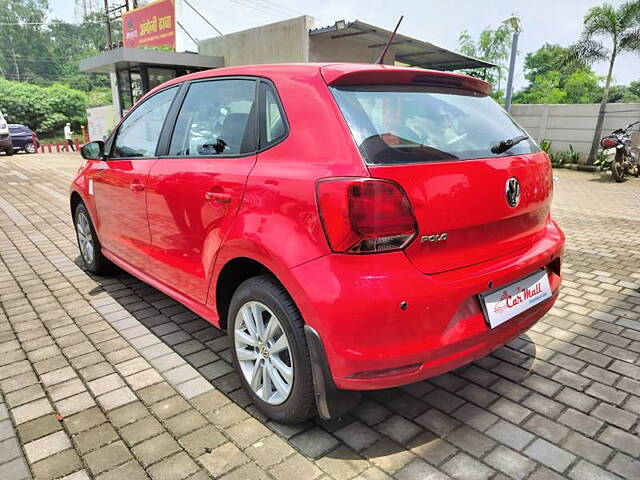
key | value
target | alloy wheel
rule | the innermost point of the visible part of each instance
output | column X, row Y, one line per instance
column 263, row 352
column 30, row 148
column 85, row 237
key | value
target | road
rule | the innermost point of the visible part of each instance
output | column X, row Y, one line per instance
column 109, row 378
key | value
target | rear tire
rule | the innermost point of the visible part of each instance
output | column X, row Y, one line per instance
column 30, row 148
column 89, row 244
column 9, row 152
column 617, row 168
column 270, row 356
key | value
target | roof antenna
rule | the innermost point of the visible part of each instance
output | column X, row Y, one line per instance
column 380, row 60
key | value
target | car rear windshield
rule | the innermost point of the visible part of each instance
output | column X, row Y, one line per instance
column 414, row 124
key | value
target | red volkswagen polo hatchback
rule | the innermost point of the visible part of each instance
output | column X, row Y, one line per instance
column 353, row 227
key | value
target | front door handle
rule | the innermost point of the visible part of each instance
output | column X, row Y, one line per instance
column 217, row 197
column 136, row 187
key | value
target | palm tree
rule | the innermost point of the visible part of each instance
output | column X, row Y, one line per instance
column 607, row 32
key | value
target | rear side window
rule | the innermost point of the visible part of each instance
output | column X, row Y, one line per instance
column 415, row 124
column 217, row 117
column 139, row 133
column 273, row 127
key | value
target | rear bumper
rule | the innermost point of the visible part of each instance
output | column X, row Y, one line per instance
column 354, row 304
column 5, row 142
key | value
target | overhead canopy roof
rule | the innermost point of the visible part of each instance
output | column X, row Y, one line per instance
column 410, row 51
column 121, row 58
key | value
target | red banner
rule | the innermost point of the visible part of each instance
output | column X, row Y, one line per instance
column 151, row 26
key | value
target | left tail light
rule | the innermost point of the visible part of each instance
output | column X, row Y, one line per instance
column 365, row 215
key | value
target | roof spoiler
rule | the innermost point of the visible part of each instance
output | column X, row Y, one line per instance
column 354, row 74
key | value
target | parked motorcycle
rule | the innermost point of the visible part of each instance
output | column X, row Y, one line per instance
column 625, row 160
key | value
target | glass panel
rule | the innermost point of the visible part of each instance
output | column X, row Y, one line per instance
column 157, row 76
column 413, row 124
column 124, row 87
column 215, row 119
column 273, row 120
column 139, row 133
column 136, row 86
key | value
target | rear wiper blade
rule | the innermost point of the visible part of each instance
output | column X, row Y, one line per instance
column 504, row 145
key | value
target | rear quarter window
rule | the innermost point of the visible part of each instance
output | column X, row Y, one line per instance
column 412, row 124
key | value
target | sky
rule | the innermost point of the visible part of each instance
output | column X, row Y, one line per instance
column 436, row 21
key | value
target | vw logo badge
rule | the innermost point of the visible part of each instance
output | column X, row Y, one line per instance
column 513, row 192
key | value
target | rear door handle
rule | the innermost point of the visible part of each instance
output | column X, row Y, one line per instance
column 217, row 197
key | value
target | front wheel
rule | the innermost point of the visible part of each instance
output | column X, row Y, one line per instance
column 617, row 168
column 9, row 152
column 30, row 148
column 270, row 350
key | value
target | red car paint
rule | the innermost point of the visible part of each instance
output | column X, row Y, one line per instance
column 385, row 319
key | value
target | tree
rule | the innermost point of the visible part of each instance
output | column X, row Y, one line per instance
column 606, row 34
column 23, row 48
column 44, row 109
column 583, row 86
column 493, row 45
column 548, row 59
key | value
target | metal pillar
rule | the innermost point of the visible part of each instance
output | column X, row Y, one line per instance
column 512, row 67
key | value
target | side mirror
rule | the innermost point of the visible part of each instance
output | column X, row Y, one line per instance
column 93, row 151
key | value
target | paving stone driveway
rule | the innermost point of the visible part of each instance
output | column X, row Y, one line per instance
column 108, row 378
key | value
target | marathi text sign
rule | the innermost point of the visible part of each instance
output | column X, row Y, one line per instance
column 151, row 26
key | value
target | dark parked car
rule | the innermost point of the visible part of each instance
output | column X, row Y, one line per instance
column 23, row 138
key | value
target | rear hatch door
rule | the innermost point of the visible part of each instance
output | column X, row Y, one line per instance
column 436, row 137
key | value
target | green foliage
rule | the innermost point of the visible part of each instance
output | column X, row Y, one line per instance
column 551, row 81
column 561, row 157
column 545, row 145
column 546, row 88
column 45, row 53
column 492, row 45
column 602, row 160
column 573, row 156
column 99, row 96
column 44, row 109
column 583, row 86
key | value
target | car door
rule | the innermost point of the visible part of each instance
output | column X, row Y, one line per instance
column 118, row 183
column 194, row 192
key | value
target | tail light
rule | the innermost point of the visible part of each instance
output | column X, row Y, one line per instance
column 364, row 215
column 608, row 142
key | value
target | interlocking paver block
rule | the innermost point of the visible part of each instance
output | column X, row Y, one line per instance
column 107, row 457
column 295, row 468
column 95, row 438
column 9, row 449
column 509, row 434
column 140, row 430
column 176, row 467
column 269, row 451
column 222, row 459
column 155, row 449
column 15, row 469
column 31, row 410
column 357, row 435
column 47, row 446
column 76, row 403
column 510, row 463
column 202, row 440
column 129, row 471
column 549, row 455
column 464, row 467
column 57, row 466
column 105, row 384
column 313, row 443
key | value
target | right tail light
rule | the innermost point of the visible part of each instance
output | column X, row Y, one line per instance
column 365, row 215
